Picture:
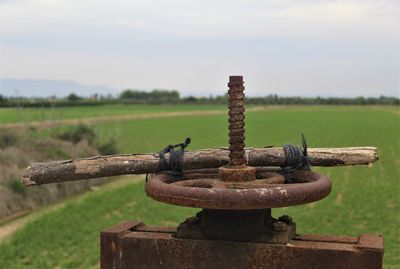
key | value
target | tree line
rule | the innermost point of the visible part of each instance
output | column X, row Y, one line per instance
column 160, row 96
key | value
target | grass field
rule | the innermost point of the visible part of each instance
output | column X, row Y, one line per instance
column 26, row 115
column 363, row 200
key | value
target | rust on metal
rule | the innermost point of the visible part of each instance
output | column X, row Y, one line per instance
column 236, row 121
column 236, row 170
column 110, row 243
column 208, row 192
column 243, row 173
column 141, row 247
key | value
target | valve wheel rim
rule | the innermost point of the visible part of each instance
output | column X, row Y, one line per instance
column 209, row 192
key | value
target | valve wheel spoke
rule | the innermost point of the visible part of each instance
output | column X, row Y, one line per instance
column 210, row 181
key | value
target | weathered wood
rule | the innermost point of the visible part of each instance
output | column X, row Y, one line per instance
column 105, row 166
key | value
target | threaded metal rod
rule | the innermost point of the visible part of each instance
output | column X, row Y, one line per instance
column 236, row 121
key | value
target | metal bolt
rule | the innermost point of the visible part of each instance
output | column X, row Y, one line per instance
column 280, row 226
column 286, row 219
column 236, row 121
column 236, row 171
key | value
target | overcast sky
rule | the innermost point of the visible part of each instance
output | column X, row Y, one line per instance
column 288, row 47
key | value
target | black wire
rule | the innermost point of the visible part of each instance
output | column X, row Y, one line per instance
column 296, row 159
column 174, row 164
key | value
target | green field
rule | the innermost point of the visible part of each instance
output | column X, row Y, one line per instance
column 363, row 200
column 26, row 115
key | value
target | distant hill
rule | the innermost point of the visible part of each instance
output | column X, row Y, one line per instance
column 45, row 88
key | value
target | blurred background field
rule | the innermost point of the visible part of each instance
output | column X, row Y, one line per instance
column 66, row 235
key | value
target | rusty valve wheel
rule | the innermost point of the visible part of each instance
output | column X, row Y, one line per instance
column 264, row 192
column 237, row 186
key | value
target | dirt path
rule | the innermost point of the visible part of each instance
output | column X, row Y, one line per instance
column 389, row 109
column 8, row 228
column 118, row 118
column 104, row 119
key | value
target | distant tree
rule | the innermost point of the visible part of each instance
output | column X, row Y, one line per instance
column 190, row 99
column 4, row 101
column 155, row 96
column 72, row 97
column 133, row 94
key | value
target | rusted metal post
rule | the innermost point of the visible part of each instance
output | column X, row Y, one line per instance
column 236, row 121
column 237, row 169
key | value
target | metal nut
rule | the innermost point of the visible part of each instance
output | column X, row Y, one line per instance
column 286, row 219
column 280, row 226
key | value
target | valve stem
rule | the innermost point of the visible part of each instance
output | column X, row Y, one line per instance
column 236, row 170
column 236, row 121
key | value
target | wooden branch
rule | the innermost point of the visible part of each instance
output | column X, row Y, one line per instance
column 105, row 166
